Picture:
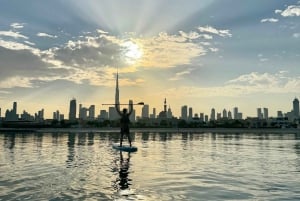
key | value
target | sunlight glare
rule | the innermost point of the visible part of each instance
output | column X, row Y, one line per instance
column 131, row 52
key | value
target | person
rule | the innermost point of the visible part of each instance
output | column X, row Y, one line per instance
column 124, row 122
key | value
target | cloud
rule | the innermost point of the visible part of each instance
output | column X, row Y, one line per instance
column 160, row 51
column 17, row 25
column 101, row 31
column 93, row 59
column 269, row 20
column 180, row 75
column 16, row 81
column 17, row 46
column 252, row 83
column 46, row 35
column 278, row 11
column 296, row 35
column 12, row 34
column 212, row 30
column 290, row 11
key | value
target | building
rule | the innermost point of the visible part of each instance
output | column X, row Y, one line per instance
column 145, row 111
column 235, row 113
column 83, row 112
column 190, row 117
column 153, row 115
column 92, row 112
column 225, row 113
column 113, row 114
column 279, row 114
column 163, row 114
column 213, row 114
column 184, row 112
column 72, row 111
column 169, row 113
column 229, row 114
column 296, row 108
column 11, row 115
column 259, row 113
column 103, row 115
column 266, row 113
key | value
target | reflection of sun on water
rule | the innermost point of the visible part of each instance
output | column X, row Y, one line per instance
column 132, row 52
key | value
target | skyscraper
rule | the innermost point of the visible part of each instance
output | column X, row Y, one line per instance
column 224, row 113
column 92, row 112
column 266, row 113
column 72, row 111
column 296, row 107
column 145, row 111
column 213, row 114
column 190, row 113
column 15, row 108
column 184, row 112
column 259, row 113
column 117, row 98
column 235, row 113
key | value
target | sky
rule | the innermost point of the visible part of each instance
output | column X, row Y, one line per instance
column 204, row 54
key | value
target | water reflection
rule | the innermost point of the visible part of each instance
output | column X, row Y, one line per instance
column 9, row 140
column 71, row 150
column 123, row 182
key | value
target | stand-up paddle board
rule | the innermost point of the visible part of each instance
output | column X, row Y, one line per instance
column 126, row 148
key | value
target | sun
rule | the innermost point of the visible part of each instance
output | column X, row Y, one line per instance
column 131, row 52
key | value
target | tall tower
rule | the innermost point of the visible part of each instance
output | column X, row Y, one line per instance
column 117, row 98
column 296, row 107
column 15, row 108
column 184, row 112
column 72, row 111
column 165, row 105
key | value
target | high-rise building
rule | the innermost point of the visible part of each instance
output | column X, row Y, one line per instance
column 224, row 113
column 112, row 113
column 11, row 115
column 132, row 116
column 266, row 113
column 259, row 113
column 169, row 113
column 92, row 112
column 235, row 113
column 117, row 95
column 103, row 115
column 184, row 112
column 229, row 115
column 296, row 107
column 153, row 115
column 206, row 118
column 202, row 116
column 190, row 113
column 72, row 111
column 15, row 107
column 279, row 114
column 145, row 111
column 213, row 114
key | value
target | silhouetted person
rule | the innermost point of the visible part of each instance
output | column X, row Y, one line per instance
column 124, row 122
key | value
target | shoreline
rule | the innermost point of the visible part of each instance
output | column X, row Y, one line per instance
column 162, row 130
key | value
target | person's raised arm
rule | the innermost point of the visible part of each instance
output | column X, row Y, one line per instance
column 117, row 106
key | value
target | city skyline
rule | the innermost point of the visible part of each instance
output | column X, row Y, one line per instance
column 196, row 53
column 186, row 113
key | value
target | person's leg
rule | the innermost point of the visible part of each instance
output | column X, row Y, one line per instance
column 129, row 138
column 121, row 138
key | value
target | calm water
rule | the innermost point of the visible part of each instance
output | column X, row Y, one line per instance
column 167, row 166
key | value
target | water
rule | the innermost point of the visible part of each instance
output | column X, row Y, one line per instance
column 167, row 166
